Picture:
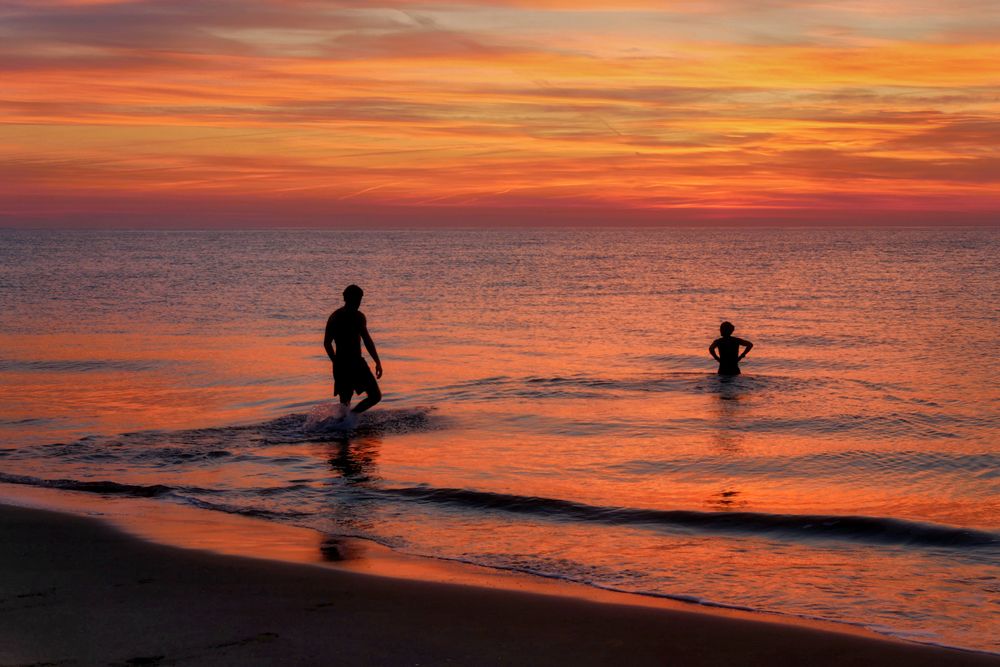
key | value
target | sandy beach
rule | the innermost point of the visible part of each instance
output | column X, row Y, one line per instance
column 75, row 591
column 499, row 333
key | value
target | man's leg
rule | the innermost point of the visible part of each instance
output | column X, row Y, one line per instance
column 372, row 396
column 342, row 394
column 345, row 398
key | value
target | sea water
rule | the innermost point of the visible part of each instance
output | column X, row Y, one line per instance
column 550, row 405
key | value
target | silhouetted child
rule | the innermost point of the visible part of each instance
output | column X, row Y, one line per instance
column 726, row 350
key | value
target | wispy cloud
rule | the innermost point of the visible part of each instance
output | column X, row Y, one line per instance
column 688, row 110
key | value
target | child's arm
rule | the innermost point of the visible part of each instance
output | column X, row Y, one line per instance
column 749, row 346
column 712, row 350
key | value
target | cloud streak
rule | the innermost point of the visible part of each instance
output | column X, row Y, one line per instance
column 702, row 111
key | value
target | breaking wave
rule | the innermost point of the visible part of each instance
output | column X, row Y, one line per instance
column 880, row 530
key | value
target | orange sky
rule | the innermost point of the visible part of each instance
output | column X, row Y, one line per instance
column 310, row 112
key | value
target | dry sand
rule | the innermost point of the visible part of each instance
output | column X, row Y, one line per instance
column 74, row 591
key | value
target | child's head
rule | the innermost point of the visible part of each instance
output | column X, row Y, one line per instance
column 727, row 328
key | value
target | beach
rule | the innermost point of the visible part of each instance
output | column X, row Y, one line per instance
column 489, row 332
column 75, row 591
column 550, row 412
column 499, row 333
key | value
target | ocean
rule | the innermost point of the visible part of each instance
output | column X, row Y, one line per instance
column 550, row 404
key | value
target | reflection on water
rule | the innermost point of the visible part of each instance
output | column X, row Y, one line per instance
column 727, row 438
column 727, row 499
column 355, row 461
column 733, row 394
column 549, row 404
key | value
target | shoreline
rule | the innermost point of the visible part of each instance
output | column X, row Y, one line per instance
column 86, row 590
column 191, row 528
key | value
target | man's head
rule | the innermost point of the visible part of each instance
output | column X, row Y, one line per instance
column 353, row 295
column 726, row 328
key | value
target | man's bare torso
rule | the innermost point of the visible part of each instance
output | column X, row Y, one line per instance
column 348, row 325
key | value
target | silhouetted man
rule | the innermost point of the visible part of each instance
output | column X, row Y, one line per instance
column 347, row 327
column 728, row 348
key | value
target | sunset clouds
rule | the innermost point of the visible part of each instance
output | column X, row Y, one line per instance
column 404, row 112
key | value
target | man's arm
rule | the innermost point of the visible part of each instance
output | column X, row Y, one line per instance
column 749, row 347
column 370, row 346
column 712, row 350
column 328, row 340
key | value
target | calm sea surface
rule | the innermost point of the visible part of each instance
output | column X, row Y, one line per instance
column 550, row 403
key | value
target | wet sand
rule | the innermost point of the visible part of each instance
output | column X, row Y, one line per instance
column 76, row 591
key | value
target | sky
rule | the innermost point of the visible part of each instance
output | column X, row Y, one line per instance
column 232, row 113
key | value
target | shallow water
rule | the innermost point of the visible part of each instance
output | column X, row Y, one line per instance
column 550, row 403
